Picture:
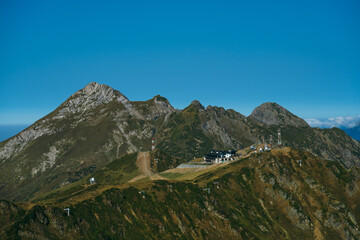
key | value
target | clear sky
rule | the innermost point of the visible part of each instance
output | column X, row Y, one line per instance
column 304, row 55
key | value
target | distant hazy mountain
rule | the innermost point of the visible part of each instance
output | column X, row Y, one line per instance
column 350, row 124
column 97, row 125
column 354, row 132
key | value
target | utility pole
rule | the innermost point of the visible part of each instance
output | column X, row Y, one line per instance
column 299, row 161
column 142, row 193
column 67, row 210
column 279, row 138
column 152, row 144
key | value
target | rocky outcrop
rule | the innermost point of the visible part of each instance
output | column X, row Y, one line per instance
column 12, row 147
column 196, row 104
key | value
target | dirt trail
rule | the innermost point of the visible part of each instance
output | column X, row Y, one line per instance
column 143, row 163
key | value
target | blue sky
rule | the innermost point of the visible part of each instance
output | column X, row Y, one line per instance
column 304, row 55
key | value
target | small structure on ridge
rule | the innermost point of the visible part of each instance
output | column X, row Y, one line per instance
column 92, row 181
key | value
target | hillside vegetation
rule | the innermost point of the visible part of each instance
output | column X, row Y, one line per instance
column 264, row 196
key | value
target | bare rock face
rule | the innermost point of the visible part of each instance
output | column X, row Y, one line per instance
column 162, row 103
column 273, row 114
column 19, row 142
column 91, row 96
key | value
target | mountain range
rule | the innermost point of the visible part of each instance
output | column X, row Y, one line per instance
column 97, row 125
column 305, row 187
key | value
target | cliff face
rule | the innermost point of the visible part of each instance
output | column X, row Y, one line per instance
column 98, row 125
column 265, row 196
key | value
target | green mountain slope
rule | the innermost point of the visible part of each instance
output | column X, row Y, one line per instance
column 265, row 196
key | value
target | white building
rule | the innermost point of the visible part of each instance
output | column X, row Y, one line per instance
column 92, row 181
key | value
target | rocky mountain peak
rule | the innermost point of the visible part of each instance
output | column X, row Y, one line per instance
column 163, row 103
column 100, row 91
column 89, row 97
column 271, row 113
column 197, row 105
column 160, row 98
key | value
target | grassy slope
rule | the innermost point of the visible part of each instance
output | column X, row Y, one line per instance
column 265, row 196
column 117, row 172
